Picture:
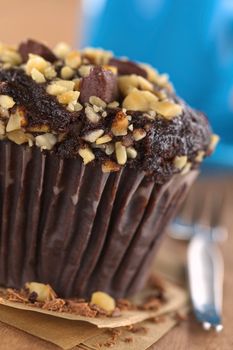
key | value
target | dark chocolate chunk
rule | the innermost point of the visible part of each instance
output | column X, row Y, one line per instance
column 127, row 67
column 101, row 83
column 32, row 46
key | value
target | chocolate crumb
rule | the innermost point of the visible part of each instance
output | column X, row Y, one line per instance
column 138, row 329
column 33, row 297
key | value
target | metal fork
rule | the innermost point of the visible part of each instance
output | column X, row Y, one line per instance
column 204, row 259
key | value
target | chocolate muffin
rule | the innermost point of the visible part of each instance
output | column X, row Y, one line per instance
column 96, row 153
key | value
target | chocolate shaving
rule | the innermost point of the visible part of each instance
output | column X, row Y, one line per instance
column 101, row 83
column 32, row 46
column 127, row 67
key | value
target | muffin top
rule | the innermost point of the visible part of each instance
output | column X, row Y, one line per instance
column 106, row 110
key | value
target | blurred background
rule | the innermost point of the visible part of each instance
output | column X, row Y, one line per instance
column 190, row 40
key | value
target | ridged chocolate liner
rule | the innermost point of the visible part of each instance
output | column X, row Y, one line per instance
column 76, row 228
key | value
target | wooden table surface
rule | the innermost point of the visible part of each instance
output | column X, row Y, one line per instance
column 187, row 335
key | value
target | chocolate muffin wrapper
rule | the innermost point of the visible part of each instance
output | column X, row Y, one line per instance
column 76, row 228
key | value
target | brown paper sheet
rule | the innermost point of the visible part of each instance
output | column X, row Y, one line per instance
column 176, row 298
column 67, row 331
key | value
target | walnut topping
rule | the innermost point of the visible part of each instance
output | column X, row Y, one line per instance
column 19, row 137
column 43, row 292
column 36, row 62
column 186, row 168
column 121, row 154
column 37, row 76
column 86, row 154
column 91, row 114
column 168, row 109
column 59, row 87
column 73, row 59
column 50, row 73
column 97, row 56
column 109, row 149
column 138, row 100
column 6, row 101
column 214, row 139
column 46, row 141
column 120, row 124
column 127, row 82
column 9, row 55
column 96, row 101
column 68, row 97
column 84, row 70
column 104, row 139
column 92, row 136
column 113, row 104
column 67, row 72
column 131, row 152
column 139, row 134
column 159, row 79
column 180, row 161
column 199, row 157
column 103, row 300
column 61, row 50
column 14, row 123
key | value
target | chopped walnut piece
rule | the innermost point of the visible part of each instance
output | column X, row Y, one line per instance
column 120, row 124
column 6, row 101
column 97, row 56
column 61, row 50
column 214, row 139
column 168, row 109
column 19, row 137
column 46, row 141
column 180, row 161
column 200, row 156
column 14, row 123
column 44, row 291
column 36, row 62
column 84, row 70
column 92, row 136
column 103, row 300
column 96, row 101
column 109, row 166
column 67, row 72
column 59, row 87
column 86, row 154
column 68, row 97
column 127, row 82
column 37, row 76
column 139, row 134
column 104, row 139
column 131, row 152
column 113, row 104
column 50, row 73
column 73, row 59
column 121, row 154
column 139, row 100
column 186, row 168
column 9, row 55
column 91, row 114
column 159, row 79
